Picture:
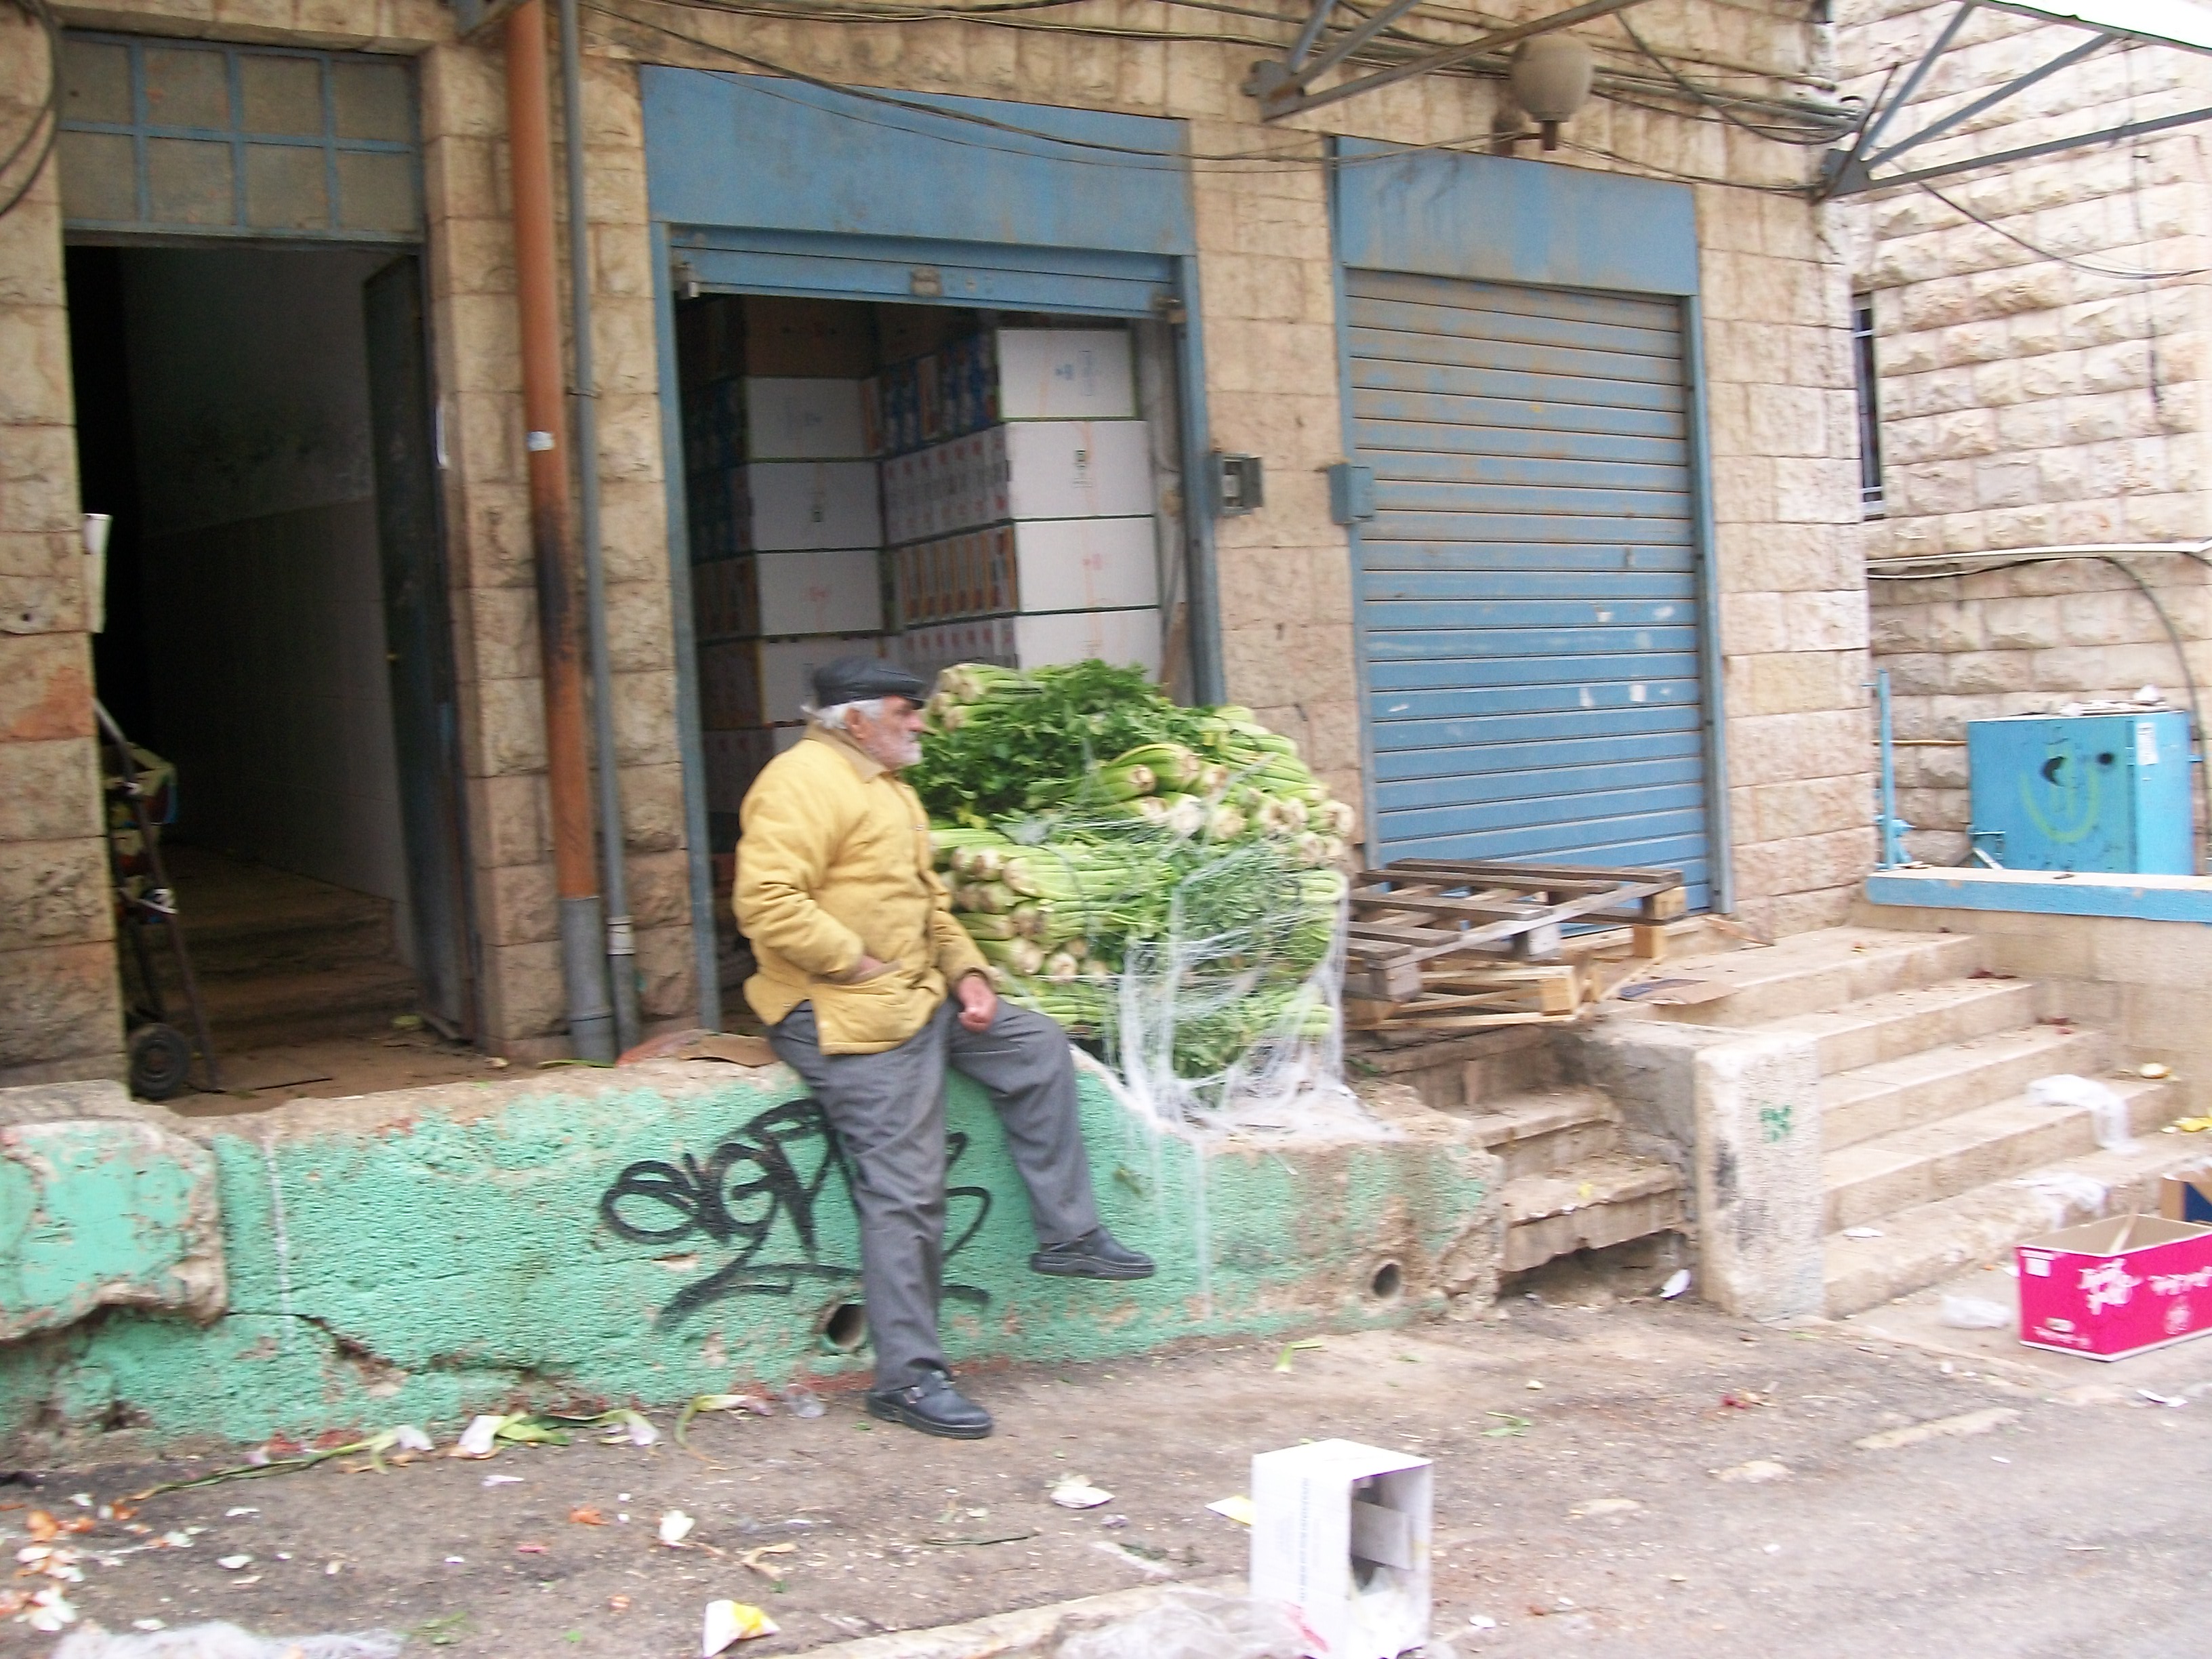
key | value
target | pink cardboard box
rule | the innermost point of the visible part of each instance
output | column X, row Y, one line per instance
column 2115, row 1287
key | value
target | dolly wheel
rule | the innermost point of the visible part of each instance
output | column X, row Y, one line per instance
column 160, row 1062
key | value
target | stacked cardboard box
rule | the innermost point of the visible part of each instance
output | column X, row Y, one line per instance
column 787, row 528
column 1018, row 493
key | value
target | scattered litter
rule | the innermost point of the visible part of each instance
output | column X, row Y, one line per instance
column 1772, row 1549
column 1283, row 1360
column 1994, row 1459
column 2190, row 1125
column 221, row 1641
column 1604, row 1506
column 729, row 1623
column 617, row 1604
column 1142, row 1563
column 1507, row 1427
column 1974, row 1313
column 802, row 1401
column 149, row 1623
column 2072, row 1093
column 233, row 1563
column 1076, row 1493
column 2154, row 1070
column 1238, row 1509
column 1535, row 1384
column 477, row 1440
column 1481, row 1621
column 502, row 1481
column 1192, row 1625
column 2065, row 1191
column 1677, row 1282
column 1742, row 1399
column 530, row 1549
column 1862, row 1232
column 629, row 1428
column 751, row 1560
column 2161, row 1399
column 1980, row 1422
column 408, row 1437
column 586, row 1515
column 1756, row 1472
column 675, row 1527
column 232, row 1514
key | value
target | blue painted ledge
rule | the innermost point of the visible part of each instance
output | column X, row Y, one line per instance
column 2050, row 893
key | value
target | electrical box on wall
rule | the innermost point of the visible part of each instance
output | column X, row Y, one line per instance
column 2106, row 792
column 1239, row 485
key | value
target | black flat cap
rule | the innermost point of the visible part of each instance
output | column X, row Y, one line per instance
column 859, row 680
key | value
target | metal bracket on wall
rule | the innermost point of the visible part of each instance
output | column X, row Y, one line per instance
column 1849, row 171
column 1350, row 492
column 1284, row 86
column 1239, row 485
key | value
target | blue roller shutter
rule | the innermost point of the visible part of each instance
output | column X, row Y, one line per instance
column 1529, row 604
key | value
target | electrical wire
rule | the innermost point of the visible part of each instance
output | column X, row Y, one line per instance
column 1846, row 117
column 45, row 125
column 1677, row 175
column 2094, row 270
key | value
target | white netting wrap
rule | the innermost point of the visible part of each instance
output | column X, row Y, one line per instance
column 1178, row 905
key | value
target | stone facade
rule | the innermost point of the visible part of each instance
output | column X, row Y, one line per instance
column 1794, row 627
column 2032, row 394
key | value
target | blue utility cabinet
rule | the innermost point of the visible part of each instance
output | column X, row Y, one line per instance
column 2107, row 792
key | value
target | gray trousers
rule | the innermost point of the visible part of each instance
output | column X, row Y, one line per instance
column 889, row 1112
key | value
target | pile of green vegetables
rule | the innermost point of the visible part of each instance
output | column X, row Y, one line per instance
column 1091, row 830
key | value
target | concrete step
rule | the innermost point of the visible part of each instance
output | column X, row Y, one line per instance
column 1929, row 1242
column 249, row 1014
column 1538, row 1131
column 1812, row 973
column 1587, row 1205
column 1930, row 1162
column 1890, row 1024
column 1913, row 1089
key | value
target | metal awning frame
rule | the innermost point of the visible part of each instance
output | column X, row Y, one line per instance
column 1283, row 86
column 1849, row 171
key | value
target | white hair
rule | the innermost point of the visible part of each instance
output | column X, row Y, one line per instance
column 838, row 715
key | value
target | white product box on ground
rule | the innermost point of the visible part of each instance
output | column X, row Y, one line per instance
column 809, row 420
column 1341, row 1533
column 793, row 507
column 1077, row 469
column 1066, row 375
column 1124, row 638
column 833, row 591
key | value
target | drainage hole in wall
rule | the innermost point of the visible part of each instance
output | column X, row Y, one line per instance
column 846, row 1328
column 1387, row 1282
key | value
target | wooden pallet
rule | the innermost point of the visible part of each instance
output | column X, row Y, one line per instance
column 1453, row 945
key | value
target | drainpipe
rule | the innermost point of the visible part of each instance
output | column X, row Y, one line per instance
column 583, row 962
column 622, row 948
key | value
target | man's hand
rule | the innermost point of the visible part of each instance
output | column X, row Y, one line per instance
column 866, row 968
column 979, row 1002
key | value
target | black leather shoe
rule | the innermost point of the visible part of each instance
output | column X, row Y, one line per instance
column 934, row 1407
column 1097, row 1254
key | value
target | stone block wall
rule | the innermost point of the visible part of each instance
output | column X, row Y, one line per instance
column 62, row 1013
column 2032, row 392
column 1777, row 361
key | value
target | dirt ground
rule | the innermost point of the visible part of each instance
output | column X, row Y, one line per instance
column 1591, row 1499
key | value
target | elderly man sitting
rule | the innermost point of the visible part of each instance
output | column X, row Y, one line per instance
column 857, row 948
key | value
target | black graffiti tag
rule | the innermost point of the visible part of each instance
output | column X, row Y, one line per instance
column 752, row 1181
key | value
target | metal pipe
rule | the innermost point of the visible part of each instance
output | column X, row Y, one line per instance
column 568, row 772
column 621, row 943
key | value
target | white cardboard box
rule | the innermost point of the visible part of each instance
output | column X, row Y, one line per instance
column 1036, row 565
column 792, row 506
column 1077, row 469
column 1124, row 638
column 833, row 591
column 802, row 420
column 1066, row 375
column 1340, row 1534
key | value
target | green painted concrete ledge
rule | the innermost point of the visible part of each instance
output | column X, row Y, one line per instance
column 644, row 1235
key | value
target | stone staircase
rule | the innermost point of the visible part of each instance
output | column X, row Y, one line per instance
column 1572, row 1179
column 1933, row 1157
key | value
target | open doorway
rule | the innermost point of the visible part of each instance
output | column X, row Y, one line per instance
column 256, row 419
column 931, row 483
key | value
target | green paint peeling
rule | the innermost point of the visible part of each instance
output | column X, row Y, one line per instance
column 417, row 1257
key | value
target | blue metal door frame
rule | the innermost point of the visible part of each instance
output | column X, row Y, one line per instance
column 775, row 186
column 1539, row 225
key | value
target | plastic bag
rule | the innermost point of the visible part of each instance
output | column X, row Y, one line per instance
column 2085, row 1094
column 1192, row 1625
column 221, row 1641
column 1974, row 1313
